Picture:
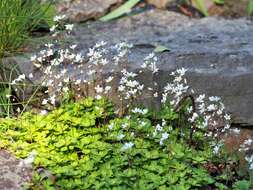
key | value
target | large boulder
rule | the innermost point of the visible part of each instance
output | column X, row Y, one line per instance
column 83, row 10
column 217, row 52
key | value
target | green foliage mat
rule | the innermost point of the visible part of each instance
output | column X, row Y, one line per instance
column 82, row 145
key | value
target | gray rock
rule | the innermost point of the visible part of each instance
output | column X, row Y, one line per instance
column 217, row 52
column 83, row 10
column 13, row 176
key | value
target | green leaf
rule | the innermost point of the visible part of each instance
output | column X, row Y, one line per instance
column 160, row 49
column 219, row 2
column 201, row 6
column 250, row 7
column 242, row 185
column 125, row 8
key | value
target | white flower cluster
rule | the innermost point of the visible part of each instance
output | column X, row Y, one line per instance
column 217, row 147
column 129, row 87
column 178, row 88
column 60, row 26
column 140, row 111
column 150, row 63
column 97, row 62
column 245, row 146
column 205, row 111
column 20, row 78
column 249, row 159
column 127, row 146
column 159, row 130
column 54, row 63
column 122, row 49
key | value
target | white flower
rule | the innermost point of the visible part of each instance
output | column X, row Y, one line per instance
column 111, row 126
column 73, row 46
column 109, row 79
column 52, row 29
column 236, row 130
column 69, row 27
column 181, row 71
column 78, row 58
column 211, row 107
column 189, row 109
column 98, row 97
column 52, row 99
column 121, row 88
column 104, row 62
column 18, row 110
column 216, row 149
column 107, row 88
column 43, row 112
column 194, row 117
column 200, row 98
column 251, row 166
column 214, row 98
column 124, row 125
column 66, row 80
column 99, row 89
column 127, row 146
column 33, row 58
column 248, row 142
column 121, row 136
column 164, row 137
column 21, row 77
column 140, row 111
column 59, row 17
column 158, row 127
column 227, row 117
column 142, row 123
column 78, row 81
column 49, row 45
column 163, row 122
column 30, row 76
column 64, row 71
column 150, row 56
column 100, row 44
column 44, row 102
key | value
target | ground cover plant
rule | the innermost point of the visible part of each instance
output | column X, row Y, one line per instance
column 83, row 145
column 80, row 140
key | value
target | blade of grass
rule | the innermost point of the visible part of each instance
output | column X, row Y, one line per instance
column 160, row 49
column 250, row 7
column 201, row 6
column 123, row 9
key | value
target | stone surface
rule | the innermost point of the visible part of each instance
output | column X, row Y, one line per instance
column 83, row 10
column 12, row 176
column 161, row 4
column 217, row 52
